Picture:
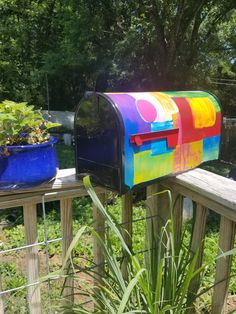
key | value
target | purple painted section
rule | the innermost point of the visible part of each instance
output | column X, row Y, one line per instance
column 132, row 119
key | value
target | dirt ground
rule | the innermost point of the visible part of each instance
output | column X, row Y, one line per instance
column 231, row 304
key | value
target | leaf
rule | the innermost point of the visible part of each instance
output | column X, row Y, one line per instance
column 49, row 125
column 98, row 204
column 7, row 116
column 228, row 253
column 72, row 245
column 128, row 291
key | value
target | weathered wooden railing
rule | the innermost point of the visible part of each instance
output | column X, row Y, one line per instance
column 206, row 189
column 217, row 193
column 64, row 188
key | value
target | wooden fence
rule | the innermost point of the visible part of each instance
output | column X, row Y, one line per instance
column 206, row 189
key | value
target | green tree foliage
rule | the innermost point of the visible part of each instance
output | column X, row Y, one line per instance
column 28, row 29
column 75, row 45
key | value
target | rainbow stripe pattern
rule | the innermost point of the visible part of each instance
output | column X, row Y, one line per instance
column 167, row 132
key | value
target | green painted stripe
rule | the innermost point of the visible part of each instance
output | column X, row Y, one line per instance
column 188, row 94
column 196, row 94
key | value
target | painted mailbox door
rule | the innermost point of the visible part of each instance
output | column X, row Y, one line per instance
column 167, row 132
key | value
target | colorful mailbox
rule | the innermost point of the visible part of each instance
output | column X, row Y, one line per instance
column 128, row 139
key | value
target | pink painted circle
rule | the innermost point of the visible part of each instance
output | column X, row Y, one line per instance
column 146, row 110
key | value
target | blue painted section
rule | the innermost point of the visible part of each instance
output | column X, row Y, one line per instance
column 28, row 165
column 159, row 147
column 211, row 148
column 144, row 147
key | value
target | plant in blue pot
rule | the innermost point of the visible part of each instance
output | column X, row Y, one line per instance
column 27, row 152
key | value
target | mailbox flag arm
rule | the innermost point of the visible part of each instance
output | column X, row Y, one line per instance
column 170, row 135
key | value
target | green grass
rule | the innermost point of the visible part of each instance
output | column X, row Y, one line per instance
column 66, row 156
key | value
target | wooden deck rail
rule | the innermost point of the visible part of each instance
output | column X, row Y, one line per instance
column 64, row 188
column 206, row 189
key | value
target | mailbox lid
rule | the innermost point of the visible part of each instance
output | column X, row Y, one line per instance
column 98, row 139
column 166, row 132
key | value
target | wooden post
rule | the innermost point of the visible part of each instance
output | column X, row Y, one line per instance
column 151, row 211
column 67, row 236
column 157, row 206
column 127, row 215
column 223, row 265
column 32, row 259
column 177, row 218
column 99, row 226
column 197, row 244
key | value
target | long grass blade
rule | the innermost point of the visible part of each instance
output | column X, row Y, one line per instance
column 110, row 222
column 128, row 291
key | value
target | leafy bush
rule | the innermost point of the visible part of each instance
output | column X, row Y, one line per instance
column 21, row 124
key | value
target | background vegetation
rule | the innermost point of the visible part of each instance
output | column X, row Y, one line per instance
column 52, row 50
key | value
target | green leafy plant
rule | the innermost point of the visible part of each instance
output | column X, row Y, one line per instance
column 156, row 282
column 21, row 124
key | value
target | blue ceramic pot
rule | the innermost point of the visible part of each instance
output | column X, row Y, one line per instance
column 27, row 165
